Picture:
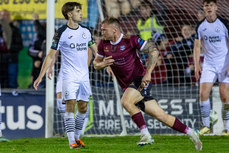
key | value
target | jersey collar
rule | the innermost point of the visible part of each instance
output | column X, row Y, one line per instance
column 115, row 43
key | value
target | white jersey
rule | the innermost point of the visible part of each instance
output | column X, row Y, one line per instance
column 214, row 38
column 73, row 44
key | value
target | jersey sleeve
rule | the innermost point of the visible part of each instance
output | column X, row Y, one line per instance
column 226, row 24
column 56, row 43
column 90, row 40
column 197, row 35
column 137, row 42
column 100, row 52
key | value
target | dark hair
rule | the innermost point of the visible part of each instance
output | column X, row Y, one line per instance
column 146, row 3
column 68, row 7
column 112, row 20
column 209, row 1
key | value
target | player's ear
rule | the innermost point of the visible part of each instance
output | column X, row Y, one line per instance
column 115, row 29
column 69, row 15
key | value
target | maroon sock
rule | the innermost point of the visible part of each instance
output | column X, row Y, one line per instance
column 139, row 120
column 179, row 126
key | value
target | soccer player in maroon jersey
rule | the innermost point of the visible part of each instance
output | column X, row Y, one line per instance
column 120, row 53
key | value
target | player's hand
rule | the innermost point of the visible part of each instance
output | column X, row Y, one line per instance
column 108, row 60
column 197, row 72
column 110, row 72
column 50, row 73
column 145, row 82
column 36, row 83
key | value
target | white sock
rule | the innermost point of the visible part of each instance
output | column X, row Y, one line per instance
column 61, row 107
column 79, row 121
column 205, row 112
column 85, row 121
column 145, row 131
column 69, row 122
column 189, row 132
column 225, row 115
column 84, row 126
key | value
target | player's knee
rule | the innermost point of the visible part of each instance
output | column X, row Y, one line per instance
column 224, row 96
column 126, row 104
column 204, row 95
column 82, row 109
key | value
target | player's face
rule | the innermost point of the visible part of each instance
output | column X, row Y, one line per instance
column 107, row 31
column 210, row 9
column 76, row 15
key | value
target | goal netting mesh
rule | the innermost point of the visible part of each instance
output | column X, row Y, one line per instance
column 174, row 85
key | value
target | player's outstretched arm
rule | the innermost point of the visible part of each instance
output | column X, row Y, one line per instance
column 100, row 62
column 153, row 57
column 196, row 56
column 47, row 62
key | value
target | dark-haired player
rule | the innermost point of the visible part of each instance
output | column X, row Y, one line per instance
column 212, row 34
column 73, row 41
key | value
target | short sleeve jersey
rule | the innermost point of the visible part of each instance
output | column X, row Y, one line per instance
column 127, row 65
column 73, row 44
column 214, row 37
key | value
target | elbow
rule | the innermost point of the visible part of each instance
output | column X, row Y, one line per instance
column 95, row 65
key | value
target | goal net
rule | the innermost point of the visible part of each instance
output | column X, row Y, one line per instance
column 174, row 84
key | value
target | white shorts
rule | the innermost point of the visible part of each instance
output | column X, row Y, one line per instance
column 211, row 74
column 76, row 90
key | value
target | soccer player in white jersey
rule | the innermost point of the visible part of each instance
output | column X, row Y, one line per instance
column 73, row 41
column 212, row 33
column 59, row 97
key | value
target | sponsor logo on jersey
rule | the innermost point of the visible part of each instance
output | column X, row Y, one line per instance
column 106, row 49
column 84, row 35
column 122, row 47
column 213, row 39
column 79, row 47
column 204, row 29
column 217, row 29
column 70, row 37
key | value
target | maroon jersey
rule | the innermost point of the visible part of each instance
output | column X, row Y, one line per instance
column 127, row 65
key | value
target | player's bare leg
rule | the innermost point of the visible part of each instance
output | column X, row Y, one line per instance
column 205, row 107
column 69, row 122
column 224, row 90
column 79, row 121
column 130, row 97
column 154, row 110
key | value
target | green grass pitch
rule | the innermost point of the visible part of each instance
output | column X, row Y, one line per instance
column 126, row 144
